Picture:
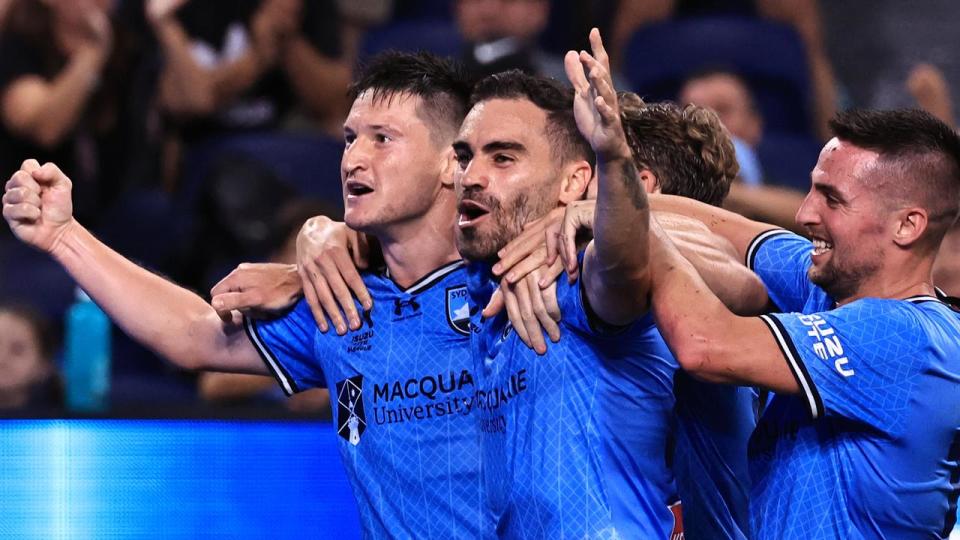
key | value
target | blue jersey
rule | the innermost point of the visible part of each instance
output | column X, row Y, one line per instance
column 575, row 441
column 401, row 388
column 713, row 427
column 869, row 448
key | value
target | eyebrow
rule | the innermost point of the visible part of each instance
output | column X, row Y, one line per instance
column 830, row 191
column 497, row 146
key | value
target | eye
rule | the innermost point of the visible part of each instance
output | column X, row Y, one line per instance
column 348, row 138
column 502, row 159
column 382, row 138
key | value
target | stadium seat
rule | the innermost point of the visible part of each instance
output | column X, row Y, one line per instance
column 769, row 56
column 437, row 36
column 787, row 159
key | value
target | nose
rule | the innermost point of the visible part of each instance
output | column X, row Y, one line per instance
column 356, row 157
column 474, row 177
column 807, row 214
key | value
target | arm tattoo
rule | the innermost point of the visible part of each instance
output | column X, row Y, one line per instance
column 638, row 196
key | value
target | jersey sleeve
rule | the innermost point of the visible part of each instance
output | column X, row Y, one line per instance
column 859, row 362
column 781, row 259
column 288, row 347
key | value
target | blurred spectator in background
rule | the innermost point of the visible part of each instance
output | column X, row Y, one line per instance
column 504, row 34
column 28, row 377
column 68, row 93
column 803, row 15
column 929, row 88
column 752, row 194
column 243, row 65
column 235, row 389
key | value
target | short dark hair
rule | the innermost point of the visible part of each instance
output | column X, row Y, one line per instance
column 547, row 94
column 923, row 151
column 687, row 148
column 442, row 84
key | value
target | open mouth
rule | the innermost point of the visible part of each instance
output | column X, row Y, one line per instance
column 470, row 212
column 355, row 189
column 821, row 247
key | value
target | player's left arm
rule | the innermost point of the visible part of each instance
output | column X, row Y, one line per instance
column 615, row 273
column 710, row 342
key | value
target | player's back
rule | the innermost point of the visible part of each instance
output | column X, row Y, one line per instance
column 402, row 395
column 713, row 426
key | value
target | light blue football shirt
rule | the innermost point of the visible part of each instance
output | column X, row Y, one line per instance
column 575, row 441
column 402, row 392
column 870, row 446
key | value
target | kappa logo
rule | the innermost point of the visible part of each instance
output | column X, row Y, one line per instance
column 458, row 309
column 351, row 421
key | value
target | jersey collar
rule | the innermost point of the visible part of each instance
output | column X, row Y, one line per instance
column 429, row 279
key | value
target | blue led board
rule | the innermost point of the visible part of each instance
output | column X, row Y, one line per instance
column 172, row 479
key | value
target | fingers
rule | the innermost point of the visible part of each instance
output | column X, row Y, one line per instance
column 22, row 212
column 327, row 301
column 30, row 165
column 524, row 267
column 332, row 271
column 528, row 317
column 550, row 273
column 347, row 270
column 549, row 295
column 242, row 301
column 48, row 173
column 22, row 179
column 313, row 300
column 574, row 68
column 494, row 306
column 513, row 313
column 544, row 319
column 518, row 249
column 22, row 195
column 599, row 51
column 601, row 85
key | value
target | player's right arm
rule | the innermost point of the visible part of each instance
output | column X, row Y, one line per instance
column 169, row 319
column 738, row 230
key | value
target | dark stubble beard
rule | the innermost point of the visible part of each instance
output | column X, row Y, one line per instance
column 842, row 281
column 508, row 222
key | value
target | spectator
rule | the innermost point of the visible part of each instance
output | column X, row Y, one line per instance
column 244, row 65
column 751, row 195
column 503, row 35
column 929, row 88
column 66, row 92
column 803, row 15
column 28, row 378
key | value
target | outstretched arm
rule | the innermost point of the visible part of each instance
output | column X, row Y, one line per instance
column 737, row 229
column 615, row 270
column 169, row 319
column 709, row 341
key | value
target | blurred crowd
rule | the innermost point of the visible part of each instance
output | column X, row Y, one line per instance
column 200, row 133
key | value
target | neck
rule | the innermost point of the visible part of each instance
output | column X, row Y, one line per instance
column 916, row 281
column 412, row 250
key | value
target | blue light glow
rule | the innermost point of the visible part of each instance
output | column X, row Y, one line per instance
column 172, row 479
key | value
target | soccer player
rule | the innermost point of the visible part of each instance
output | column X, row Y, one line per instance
column 712, row 423
column 402, row 384
column 575, row 442
column 861, row 437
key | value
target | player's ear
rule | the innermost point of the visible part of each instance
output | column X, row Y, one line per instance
column 651, row 184
column 576, row 180
column 448, row 166
column 910, row 225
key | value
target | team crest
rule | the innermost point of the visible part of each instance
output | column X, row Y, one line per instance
column 351, row 422
column 458, row 309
